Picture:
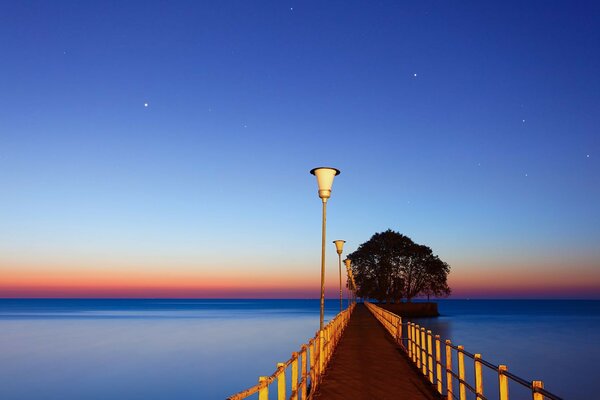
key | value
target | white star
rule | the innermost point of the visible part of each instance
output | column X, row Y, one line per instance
column 523, row 121
column 415, row 75
column 291, row 8
column 588, row 156
column 145, row 104
column 526, row 175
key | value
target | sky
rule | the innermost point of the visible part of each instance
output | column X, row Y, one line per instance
column 163, row 149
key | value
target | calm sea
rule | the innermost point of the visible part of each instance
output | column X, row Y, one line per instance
column 208, row 349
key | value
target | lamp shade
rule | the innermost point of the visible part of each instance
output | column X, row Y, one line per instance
column 339, row 245
column 324, row 180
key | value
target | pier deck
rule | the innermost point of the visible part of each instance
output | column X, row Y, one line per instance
column 368, row 364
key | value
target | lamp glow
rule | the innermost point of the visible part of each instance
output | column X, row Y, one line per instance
column 325, row 177
column 339, row 247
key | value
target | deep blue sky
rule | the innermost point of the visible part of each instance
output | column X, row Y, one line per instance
column 472, row 127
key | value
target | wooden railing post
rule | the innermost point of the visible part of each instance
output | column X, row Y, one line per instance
column 503, row 382
column 430, row 356
column 438, row 363
column 313, row 363
column 409, row 341
column 461, row 373
column 263, row 392
column 418, row 345
column 449, row 370
column 305, row 371
column 321, row 353
column 281, row 381
column 478, row 376
column 295, row 375
column 423, row 352
column 539, row 385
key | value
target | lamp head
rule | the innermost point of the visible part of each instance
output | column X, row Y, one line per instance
column 339, row 246
column 325, row 180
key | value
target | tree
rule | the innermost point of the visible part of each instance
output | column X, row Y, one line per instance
column 390, row 267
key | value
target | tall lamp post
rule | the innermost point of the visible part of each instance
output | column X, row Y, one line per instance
column 325, row 177
column 339, row 247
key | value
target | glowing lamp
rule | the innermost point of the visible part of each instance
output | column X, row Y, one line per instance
column 339, row 246
column 325, row 177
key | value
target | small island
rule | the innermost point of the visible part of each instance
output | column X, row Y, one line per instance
column 392, row 269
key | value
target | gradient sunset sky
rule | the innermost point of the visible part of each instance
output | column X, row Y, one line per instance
column 163, row 149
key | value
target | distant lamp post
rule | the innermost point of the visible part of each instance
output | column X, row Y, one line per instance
column 351, row 284
column 349, row 280
column 325, row 177
column 339, row 247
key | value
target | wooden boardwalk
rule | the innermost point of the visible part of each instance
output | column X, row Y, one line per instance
column 368, row 364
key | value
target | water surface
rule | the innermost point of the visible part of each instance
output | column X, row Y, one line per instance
column 209, row 349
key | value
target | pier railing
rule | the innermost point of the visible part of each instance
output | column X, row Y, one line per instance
column 425, row 351
column 305, row 368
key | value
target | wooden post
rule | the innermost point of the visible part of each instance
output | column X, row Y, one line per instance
column 295, row 375
column 540, row 385
column 313, row 363
column 423, row 352
column 449, row 370
column 503, row 382
column 430, row 356
column 418, row 345
column 321, row 353
column 415, row 345
column 409, row 341
column 263, row 392
column 305, row 371
column 478, row 376
column 461, row 373
column 438, row 359
column 281, row 381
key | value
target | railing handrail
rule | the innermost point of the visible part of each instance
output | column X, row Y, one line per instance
column 314, row 357
column 420, row 351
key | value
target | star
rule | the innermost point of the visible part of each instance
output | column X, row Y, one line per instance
column 523, row 121
column 526, row 175
column 291, row 8
column 415, row 75
column 145, row 104
column 588, row 156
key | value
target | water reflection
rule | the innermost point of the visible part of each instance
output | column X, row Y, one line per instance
column 150, row 353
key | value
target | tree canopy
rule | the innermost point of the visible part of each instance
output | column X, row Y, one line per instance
column 390, row 267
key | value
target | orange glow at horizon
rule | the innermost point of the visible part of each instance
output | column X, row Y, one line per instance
column 466, row 281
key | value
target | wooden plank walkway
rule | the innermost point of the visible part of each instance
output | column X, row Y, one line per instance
column 368, row 364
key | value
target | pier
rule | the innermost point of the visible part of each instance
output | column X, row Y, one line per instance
column 368, row 364
column 367, row 352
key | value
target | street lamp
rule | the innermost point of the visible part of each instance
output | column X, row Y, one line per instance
column 339, row 247
column 325, row 177
column 350, row 277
